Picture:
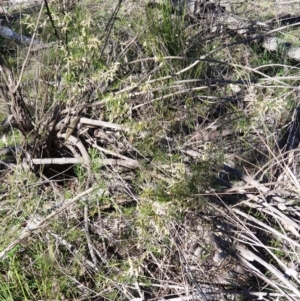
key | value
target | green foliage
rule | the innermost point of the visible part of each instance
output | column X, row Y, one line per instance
column 117, row 109
column 166, row 29
column 81, row 173
column 81, row 51
column 173, row 107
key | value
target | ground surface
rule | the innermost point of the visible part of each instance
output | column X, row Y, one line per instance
column 119, row 190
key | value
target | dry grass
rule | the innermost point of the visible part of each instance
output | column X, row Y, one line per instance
column 152, row 212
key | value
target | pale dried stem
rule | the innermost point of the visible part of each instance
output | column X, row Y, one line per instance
column 59, row 161
column 14, row 90
column 100, row 123
column 246, row 256
column 87, row 234
column 78, row 144
column 267, row 228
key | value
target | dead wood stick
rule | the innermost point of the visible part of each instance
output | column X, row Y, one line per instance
column 96, row 123
column 85, row 159
column 78, row 144
column 118, row 162
column 88, row 238
column 59, row 161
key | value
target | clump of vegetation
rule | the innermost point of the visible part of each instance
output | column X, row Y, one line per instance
column 119, row 120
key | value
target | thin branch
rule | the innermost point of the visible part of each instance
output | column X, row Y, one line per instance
column 78, row 144
column 100, row 123
column 87, row 234
column 58, row 161
column 48, row 12
column 266, row 227
column 14, row 90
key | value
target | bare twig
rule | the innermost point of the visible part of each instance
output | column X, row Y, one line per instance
column 87, row 234
column 59, row 161
column 16, row 87
column 78, row 144
column 48, row 12
column 100, row 123
column 266, row 227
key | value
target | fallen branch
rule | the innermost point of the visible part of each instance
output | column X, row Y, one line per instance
column 59, row 161
column 116, row 162
column 100, row 123
column 73, row 140
column 125, row 162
